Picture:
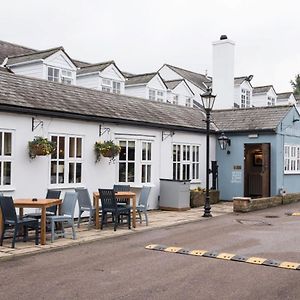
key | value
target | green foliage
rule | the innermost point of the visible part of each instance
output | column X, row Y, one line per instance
column 296, row 84
column 40, row 147
column 106, row 149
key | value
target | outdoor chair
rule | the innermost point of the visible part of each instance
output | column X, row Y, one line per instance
column 109, row 205
column 10, row 219
column 66, row 217
column 50, row 211
column 1, row 194
column 121, row 188
column 143, row 203
column 85, row 204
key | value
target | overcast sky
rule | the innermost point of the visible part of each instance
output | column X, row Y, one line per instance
column 142, row 35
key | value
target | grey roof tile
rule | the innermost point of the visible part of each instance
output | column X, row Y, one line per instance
column 10, row 49
column 172, row 84
column 282, row 96
column 249, row 119
column 261, row 89
column 91, row 68
column 140, row 78
column 44, row 96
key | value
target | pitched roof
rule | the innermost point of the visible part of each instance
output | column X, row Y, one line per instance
column 262, row 89
column 196, row 78
column 29, row 95
column 33, row 56
column 10, row 49
column 140, row 78
column 92, row 68
column 283, row 96
column 241, row 79
column 172, row 84
column 80, row 64
column 249, row 119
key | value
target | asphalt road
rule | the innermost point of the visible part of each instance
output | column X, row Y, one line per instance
column 121, row 268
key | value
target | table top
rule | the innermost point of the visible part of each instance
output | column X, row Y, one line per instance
column 38, row 203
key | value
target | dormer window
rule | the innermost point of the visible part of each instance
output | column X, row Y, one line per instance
column 111, row 86
column 175, row 99
column 188, row 102
column 116, row 87
column 245, row 98
column 156, row 95
column 58, row 75
column 160, row 96
column 271, row 101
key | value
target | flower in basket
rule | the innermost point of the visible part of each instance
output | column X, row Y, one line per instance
column 40, row 147
column 106, row 149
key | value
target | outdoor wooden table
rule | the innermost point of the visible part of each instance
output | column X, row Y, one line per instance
column 40, row 203
column 119, row 195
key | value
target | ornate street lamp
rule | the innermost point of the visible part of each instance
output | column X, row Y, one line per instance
column 224, row 142
column 208, row 100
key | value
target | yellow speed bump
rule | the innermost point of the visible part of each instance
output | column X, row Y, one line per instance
column 172, row 249
column 297, row 214
column 151, row 246
column 289, row 265
column 256, row 260
column 224, row 255
column 198, row 252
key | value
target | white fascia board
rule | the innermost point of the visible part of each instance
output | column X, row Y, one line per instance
column 87, row 74
column 138, row 84
column 26, row 62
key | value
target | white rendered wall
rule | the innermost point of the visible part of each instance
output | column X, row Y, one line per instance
column 112, row 73
column 238, row 92
column 183, row 92
column 91, row 81
column 223, row 73
column 262, row 98
column 31, row 70
column 31, row 177
column 139, row 91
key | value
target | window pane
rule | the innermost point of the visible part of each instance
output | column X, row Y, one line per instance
column 174, row 152
column 61, row 147
column 53, row 172
column 0, row 173
column 131, row 150
column 149, row 151
column 6, row 173
column 122, row 172
column 72, row 147
column 130, row 172
column 78, row 172
column 61, row 172
column 0, row 143
column 122, row 155
column 79, row 147
column 7, row 143
column 143, row 173
column 54, row 154
column 71, row 172
column 174, row 171
column 144, row 149
column 188, row 152
column 178, row 153
column 178, row 171
column 149, row 173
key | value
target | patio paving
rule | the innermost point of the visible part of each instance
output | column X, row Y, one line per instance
column 157, row 219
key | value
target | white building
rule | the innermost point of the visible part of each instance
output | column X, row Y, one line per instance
column 51, row 64
column 287, row 98
column 148, row 86
column 75, row 118
column 104, row 76
column 264, row 96
column 243, row 92
column 179, row 93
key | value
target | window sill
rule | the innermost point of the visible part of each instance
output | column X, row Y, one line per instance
column 292, row 173
column 7, row 188
column 65, row 186
column 138, row 185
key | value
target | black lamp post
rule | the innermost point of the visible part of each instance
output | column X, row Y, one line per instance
column 208, row 100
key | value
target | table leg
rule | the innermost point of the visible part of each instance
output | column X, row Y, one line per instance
column 1, row 223
column 96, row 205
column 43, row 226
column 134, row 211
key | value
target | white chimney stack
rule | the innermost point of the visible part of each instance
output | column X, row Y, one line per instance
column 223, row 73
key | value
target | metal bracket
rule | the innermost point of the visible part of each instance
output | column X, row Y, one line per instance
column 35, row 123
column 166, row 134
column 104, row 130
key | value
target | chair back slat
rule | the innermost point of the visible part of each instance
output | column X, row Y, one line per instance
column 121, row 188
column 84, row 199
column 68, row 205
column 108, row 199
column 144, row 196
column 51, row 194
column 8, row 209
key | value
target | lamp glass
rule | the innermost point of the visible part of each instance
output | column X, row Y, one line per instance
column 224, row 141
column 208, row 99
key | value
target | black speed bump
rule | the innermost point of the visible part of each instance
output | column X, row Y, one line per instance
column 227, row 256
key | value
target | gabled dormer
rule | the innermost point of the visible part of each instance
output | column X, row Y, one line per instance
column 104, row 76
column 51, row 64
column 243, row 92
column 287, row 98
column 149, row 86
column 179, row 93
column 264, row 96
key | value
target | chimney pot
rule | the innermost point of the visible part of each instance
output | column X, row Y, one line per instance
column 223, row 37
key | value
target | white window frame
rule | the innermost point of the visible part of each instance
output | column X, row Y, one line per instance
column 63, row 76
column 245, row 98
column 156, row 95
column 188, row 102
column 146, row 162
column 186, row 161
column 67, row 160
column 6, row 158
column 291, row 159
column 175, row 99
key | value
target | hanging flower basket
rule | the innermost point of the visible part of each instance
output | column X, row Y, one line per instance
column 40, row 147
column 106, row 149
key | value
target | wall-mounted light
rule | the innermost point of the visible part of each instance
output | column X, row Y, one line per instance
column 224, row 142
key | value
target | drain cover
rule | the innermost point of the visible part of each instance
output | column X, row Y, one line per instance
column 270, row 216
column 253, row 222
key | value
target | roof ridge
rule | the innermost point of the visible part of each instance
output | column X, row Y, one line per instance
column 143, row 74
column 14, row 44
column 261, row 86
column 252, row 108
column 185, row 70
column 97, row 64
column 38, row 52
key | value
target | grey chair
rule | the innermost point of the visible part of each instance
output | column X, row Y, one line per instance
column 1, row 194
column 10, row 219
column 121, row 188
column 66, row 217
column 143, row 203
column 85, row 204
